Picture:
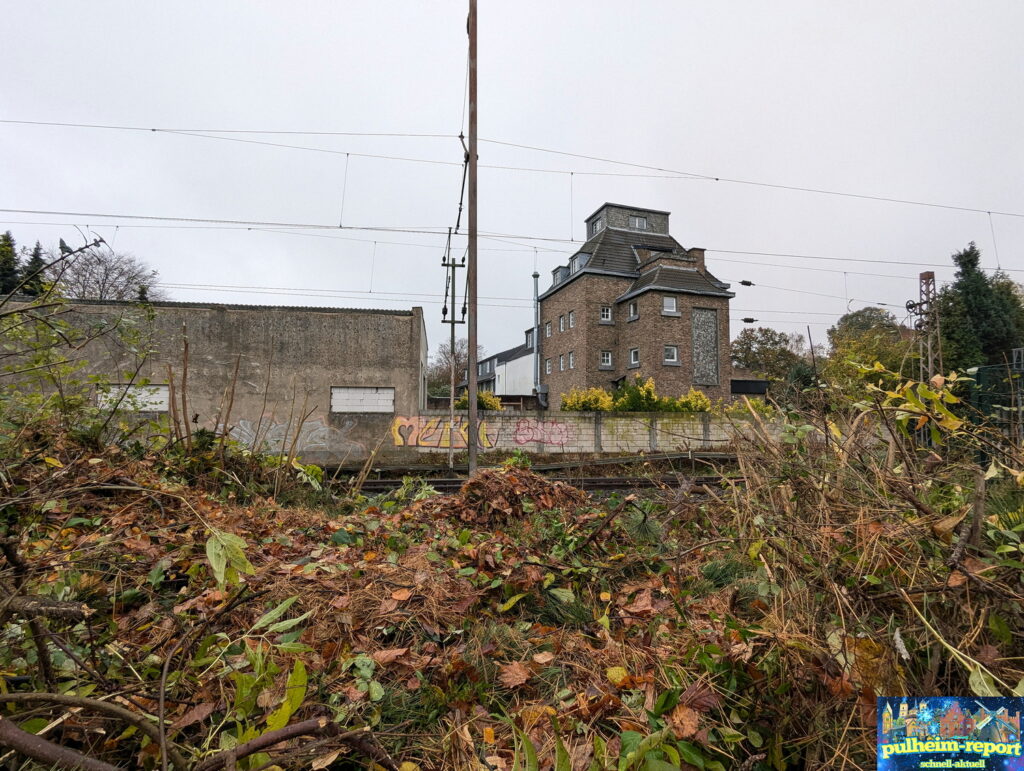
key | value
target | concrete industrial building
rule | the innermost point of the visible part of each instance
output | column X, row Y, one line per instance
column 331, row 380
column 633, row 301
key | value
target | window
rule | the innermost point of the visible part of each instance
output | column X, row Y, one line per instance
column 634, row 311
column 573, row 264
column 606, row 313
column 561, row 363
column 362, row 399
column 529, row 339
column 547, row 366
column 668, row 305
column 572, row 360
column 547, row 329
column 135, row 398
column 606, row 358
column 638, row 223
column 634, row 357
column 561, row 323
column 597, row 226
column 671, row 354
column 572, row 319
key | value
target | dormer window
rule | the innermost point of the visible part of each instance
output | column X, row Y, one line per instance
column 529, row 339
column 637, row 223
column 597, row 226
column 574, row 264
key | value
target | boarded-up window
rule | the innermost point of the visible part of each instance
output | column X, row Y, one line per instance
column 705, row 346
column 362, row 399
column 135, row 398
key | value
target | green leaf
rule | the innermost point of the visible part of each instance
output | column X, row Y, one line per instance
column 376, row 691
column 998, row 626
column 754, row 738
column 530, row 751
column 729, row 734
column 562, row 760
column 293, row 647
column 981, row 683
column 659, row 765
column 295, row 692
column 217, row 556
column 271, row 616
column 652, row 741
column 510, row 602
column 288, row 623
column 1019, row 690
column 563, row 595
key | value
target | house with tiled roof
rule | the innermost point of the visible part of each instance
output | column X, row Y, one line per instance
column 634, row 301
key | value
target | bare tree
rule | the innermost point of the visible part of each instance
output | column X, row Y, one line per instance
column 102, row 274
column 439, row 367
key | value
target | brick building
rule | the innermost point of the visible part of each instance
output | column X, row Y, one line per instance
column 633, row 301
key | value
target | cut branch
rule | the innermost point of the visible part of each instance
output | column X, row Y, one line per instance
column 53, row 755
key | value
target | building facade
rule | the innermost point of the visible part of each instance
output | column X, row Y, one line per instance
column 326, row 382
column 509, row 372
column 634, row 302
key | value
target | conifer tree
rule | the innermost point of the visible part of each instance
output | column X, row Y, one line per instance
column 32, row 272
column 10, row 275
column 982, row 316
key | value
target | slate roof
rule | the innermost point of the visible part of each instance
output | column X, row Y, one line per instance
column 614, row 251
column 672, row 279
column 612, row 248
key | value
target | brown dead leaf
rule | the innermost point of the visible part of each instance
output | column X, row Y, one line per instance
column 683, row 721
column 944, row 527
column 641, row 606
column 401, row 595
column 701, row 697
column 514, row 674
column 545, row 657
column 197, row 714
column 388, row 655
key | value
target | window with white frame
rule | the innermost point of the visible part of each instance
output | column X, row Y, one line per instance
column 561, row 323
column 572, row 360
column 572, row 319
column 669, row 305
column 597, row 226
column 606, row 358
column 561, row 362
column 133, row 397
column 547, row 329
column 638, row 223
column 634, row 310
column 606, row 313
column 574, row 264
column 634, row 356
column 529, row 339
column 547, row 366
column 671, row 354
column 362, row 399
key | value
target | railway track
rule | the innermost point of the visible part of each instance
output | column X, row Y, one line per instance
column 590, row 484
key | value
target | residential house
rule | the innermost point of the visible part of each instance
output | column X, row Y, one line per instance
column 509, row 372
column 632, row 301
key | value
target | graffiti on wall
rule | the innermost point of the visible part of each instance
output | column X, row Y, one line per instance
column 312, row 435
column 441, row 433
column 530, row 430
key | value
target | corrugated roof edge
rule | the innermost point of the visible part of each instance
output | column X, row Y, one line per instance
column 240, row 307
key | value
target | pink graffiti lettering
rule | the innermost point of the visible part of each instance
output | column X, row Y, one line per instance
column 541, row 431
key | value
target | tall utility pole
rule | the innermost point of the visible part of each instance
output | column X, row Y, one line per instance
column 473, row 432
column 450, row 293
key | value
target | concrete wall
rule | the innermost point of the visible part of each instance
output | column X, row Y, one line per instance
column 567, row 432
column 288, row 361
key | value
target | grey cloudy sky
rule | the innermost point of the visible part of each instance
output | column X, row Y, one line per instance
column 910, row 100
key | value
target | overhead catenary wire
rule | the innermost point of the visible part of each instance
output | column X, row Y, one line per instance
column 440, row 231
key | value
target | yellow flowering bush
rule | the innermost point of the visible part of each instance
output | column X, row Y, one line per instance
column 485, row 400
column 587, row 400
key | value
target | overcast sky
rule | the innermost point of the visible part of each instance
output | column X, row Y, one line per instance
column 910, row 100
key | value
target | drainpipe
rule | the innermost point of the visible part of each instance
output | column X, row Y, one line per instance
column 536, row 332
